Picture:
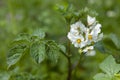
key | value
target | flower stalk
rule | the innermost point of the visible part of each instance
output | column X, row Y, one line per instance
column 83, row 36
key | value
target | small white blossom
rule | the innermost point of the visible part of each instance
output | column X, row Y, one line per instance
column 78, row 40
column 83, row 36
column 94, row 34
column 77, row 28
column 88, row 48
column 90, row 20
column 89, row 51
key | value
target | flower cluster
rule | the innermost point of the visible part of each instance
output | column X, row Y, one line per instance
column 84, row 36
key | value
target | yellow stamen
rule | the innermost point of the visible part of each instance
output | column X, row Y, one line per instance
column 78, row 41
column 90, row 37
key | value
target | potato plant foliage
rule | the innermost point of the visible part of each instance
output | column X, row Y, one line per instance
column 35, row 45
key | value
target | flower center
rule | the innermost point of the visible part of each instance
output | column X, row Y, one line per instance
column 78, row 41
column 78, row 28
column 90, row 37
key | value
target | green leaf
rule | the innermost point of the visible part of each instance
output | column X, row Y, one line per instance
column 115, row 40
column 110, row 69
column 15, row 54
column 109, row 66
column 38, row 33
column 117, row 76
column 53, row 51
column 22, row 36
column 37, row 51
column 100, row 47
column 62, row 48
column 21, row 76
column 4, row 76
column 101, row 76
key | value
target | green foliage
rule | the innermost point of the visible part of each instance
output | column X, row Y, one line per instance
column 37, row 51
column 100, row 46
column 52, row 51
column 22, row 36
column 115, row 40
column 62, row 48
column 110, row 69
column 39, row 34
column 40, row 49
column 15, row 54
column 71, row 15
column 24, row 76
column 4, row 76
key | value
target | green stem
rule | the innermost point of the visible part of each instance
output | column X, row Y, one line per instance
column 77, row 64
column 69, row 69
column 69, row 60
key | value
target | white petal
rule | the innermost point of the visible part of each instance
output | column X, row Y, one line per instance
column 95, row 33
column 90, row 20
column 74, row 32
column 91, row 53
column 72, row 26
column 82, row 44
column 85, row 50
column 89, row 42
column 69, row 36
column 82, row 38
column 79, row 37
column 98, row 26
column 86, row 34
column 82, row 27
column 88, row 48
column 92, row 26
column 96, row 29
column 76, row 45
column 78, row 23
column 100, row 37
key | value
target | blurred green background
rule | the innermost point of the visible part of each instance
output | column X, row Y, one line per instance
column 24, row 16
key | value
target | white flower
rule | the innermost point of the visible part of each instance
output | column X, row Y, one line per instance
column 78, row 40
column 76, row 34
column 82, row 36
column 90, row 20
column 88, row 48
column 89, row 51
column 94, row 34
column 77, row 28
column 96, row 29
